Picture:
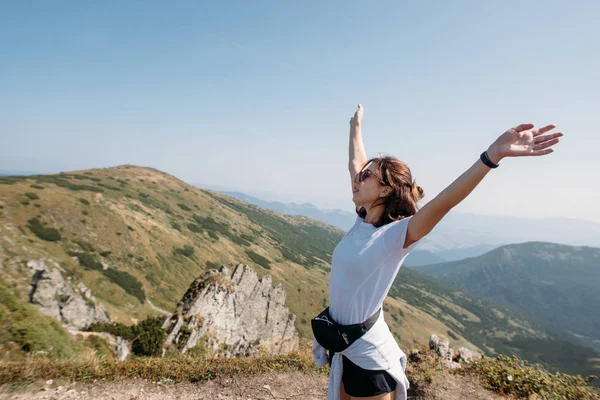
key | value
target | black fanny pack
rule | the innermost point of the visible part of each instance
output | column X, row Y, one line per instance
column 335, row 337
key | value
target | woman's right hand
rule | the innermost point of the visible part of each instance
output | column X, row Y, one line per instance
column 356, row 121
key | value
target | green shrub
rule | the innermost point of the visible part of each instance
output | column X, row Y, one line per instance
column 184, row 207
column 85, row 245
column 187, row 251
column 11, row 180
column 61, row 181
column 127, row 282
column 452, row 335
column 87, row 261
column 176, row 226
column 85, row 212
column 25, row 202
column 257, row 258
column 194, row 228
column 111, row 187
column 150, row 337
column 105, row 253
column 84, row 201
column 35, row 186
column 32, row 196
column 147, row 337
column 49, row 234
column 212, row 265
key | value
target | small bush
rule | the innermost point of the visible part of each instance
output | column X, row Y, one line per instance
column 25, row 202
column 260, row 260
column 127, row 282
column 187, row 251
column 212, row 265
column 32, row 196
column 84, row 201
column 49, row 234
column 147, row 337
column 194, row 228
column 176, row 226
column 85, row 212
column 36, row 186
column 184, row 207
column 87, row 261
column 452, row 335
column 105, row 253
column 85, row 245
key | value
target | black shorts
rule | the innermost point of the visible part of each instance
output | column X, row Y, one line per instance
column 359, row 382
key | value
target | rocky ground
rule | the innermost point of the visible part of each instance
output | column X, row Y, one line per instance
column 266, row 386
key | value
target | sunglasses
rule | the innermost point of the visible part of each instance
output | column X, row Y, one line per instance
column 365, row 173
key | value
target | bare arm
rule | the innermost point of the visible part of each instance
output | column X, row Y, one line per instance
column 515, row 142
column 357, row 156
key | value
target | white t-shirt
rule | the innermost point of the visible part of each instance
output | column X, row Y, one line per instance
column 363, row 267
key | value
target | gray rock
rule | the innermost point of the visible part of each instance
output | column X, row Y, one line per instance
column 73, row 305
column 466, row 355
column 236, row 313
column 441, row 346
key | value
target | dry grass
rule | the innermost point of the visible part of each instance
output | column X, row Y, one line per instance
column 182, row 368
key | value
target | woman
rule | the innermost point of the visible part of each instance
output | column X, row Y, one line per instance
column 367, row 259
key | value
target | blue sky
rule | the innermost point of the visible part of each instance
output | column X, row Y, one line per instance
column 257, row 96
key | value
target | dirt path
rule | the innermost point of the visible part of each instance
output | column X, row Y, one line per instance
column 292, row 386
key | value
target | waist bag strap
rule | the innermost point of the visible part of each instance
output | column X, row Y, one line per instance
column 355, row 331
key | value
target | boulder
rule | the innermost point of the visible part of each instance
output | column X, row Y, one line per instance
column 234, row 313
column 72, row 304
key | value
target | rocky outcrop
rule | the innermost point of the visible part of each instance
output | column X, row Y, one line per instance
column 235, row 314
column 447, row 355
column 72, row 304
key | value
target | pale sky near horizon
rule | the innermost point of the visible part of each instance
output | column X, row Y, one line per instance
column 256, row 96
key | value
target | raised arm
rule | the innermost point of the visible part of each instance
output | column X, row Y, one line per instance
column 357, row 157
column 515, row 142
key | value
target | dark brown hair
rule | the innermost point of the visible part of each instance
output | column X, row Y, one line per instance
column 402, row 201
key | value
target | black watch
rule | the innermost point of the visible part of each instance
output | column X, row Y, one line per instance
column 486, row 160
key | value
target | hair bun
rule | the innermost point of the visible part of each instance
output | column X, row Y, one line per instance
column 417, row 191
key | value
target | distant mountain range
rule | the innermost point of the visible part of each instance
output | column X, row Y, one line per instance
column 459, row 235
column 556, row 284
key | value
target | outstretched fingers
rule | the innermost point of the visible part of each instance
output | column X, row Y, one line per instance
column 542, row 139
column 543, row 130
column 545, row 144
column 542, row 152
column 522, row 127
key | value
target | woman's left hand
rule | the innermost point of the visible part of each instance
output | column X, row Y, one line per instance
column 523, row 141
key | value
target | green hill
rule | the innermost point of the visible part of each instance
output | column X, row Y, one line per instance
column 157, row 234
column 556, row 284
